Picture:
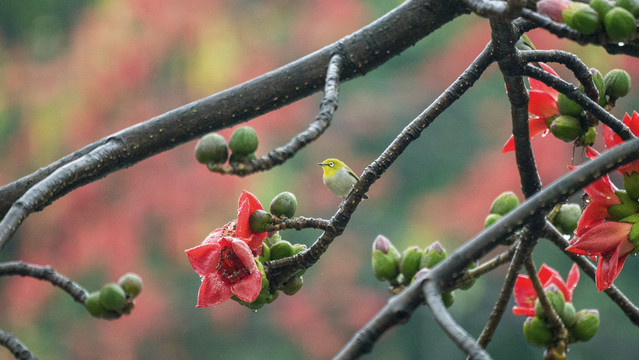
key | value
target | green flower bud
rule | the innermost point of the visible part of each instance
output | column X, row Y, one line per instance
column 601, row 7
column 556, row 300
column 631, row 183
column 385, row 259
column 211, row 149
column 567, row 14
column 566, row 128
column 272, row 296
column 627, row 207
column 112, row 297
column 293, row 285
column 620, row 24
column 568, row 316
column 281, row 249
column 586, row 325
column 266, row 254
column 275, row 238
column 93, row 305
column 631, row 5
column 432, row 255
column 243, row 141
column 491, row 219
column 600, row 84
column 259, row 221
column 409, row 263
column 284, row 204
column 588, row 138
column 537, row 332
column 468, row 284
column 504, row 203
column 298, row 248
column 617, row 83
column 567, row 218
column 131, row 284
column 586, row 20
column 567, row 106
column 128, row 307
column 448, row 297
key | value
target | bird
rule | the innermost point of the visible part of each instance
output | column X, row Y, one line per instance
column 338, row 177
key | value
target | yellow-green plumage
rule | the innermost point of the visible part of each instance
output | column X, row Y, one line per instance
column 338, row 177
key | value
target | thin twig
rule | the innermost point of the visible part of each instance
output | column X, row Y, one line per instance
column 279, row 270
column 557, row 327
column 46, row 273
column 278, row 156
column 454, row 331
column 298, row 223
column 488, row 266
column 16, row 348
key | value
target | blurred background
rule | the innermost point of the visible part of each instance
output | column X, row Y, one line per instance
column 74, row 71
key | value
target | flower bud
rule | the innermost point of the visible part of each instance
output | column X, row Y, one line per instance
column 553, row 8
column 567, row 218
column 281, row 249
column 568, row 316
column 567, row 106
column 537, row 332
column 273, row 239
column 631, row 5
column 112, row 297
column 504, row 203
column 491, row 219
column 601, row 7
column 272, row 296
column 259, row 221
column 600, row 84
column 211, row 149
column 266, row 254
column 620, row 24
column 556, row 300
column 448, row 298
column 131, row 284
column 617, row 83
column 284, row 204
column 568, row 13
column 631, row 184
column 298, row 248
column 586, row 20
column 586, row 325
column 243, row 141
column 409, row 263
column 385, row 259
column 293, row 285
column 566, row 128
column 93, row 305
column 588, row 138
column 627, row 207
column 432, row 255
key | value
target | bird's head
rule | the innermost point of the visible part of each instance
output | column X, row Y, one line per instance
column 330, row 166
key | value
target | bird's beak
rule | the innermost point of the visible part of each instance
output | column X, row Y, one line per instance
column 321, row 164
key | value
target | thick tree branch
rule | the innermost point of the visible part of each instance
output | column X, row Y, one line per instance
column 16, row 348
column 363, row 51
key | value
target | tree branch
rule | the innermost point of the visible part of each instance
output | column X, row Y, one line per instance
column 16, row 348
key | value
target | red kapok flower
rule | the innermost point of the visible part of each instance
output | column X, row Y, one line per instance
column 612, row 139
column 596, row 236
column 525, row 294
column 542, row 105
column 227, row 268
column 247, row 204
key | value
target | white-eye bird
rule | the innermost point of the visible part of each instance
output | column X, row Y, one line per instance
column 338, row 177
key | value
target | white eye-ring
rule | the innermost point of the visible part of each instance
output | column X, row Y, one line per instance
column 331, row 164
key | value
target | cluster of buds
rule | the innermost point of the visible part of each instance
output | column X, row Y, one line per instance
column 212, row 149
column 616, row 18
column 114, row 299
column 565, row 218
column 581, row 325
column 402, row 269
column 274, row 247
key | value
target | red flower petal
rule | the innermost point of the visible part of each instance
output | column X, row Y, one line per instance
column 213, row 291
column 247, row 204
column 524, row 294
column 571, row 282
column 610, row 266
column 602, row 238
column 535, row 126
column 542, row 104
column 204, row 258
column 509, row 146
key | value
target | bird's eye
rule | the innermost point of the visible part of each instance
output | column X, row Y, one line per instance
column 331, row 164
